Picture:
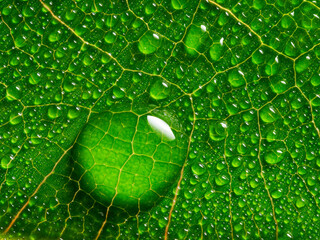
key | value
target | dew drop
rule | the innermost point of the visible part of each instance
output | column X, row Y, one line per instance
column 275, row 156
column 196, row 37
column 222, row 180
column 198, row 169
column 13, row 93
column 118, row 92
column 218, row 130
column 300, row 203
column 35, row 78
column 236, row 78
column 216, row 51
column 54, row 112
column 6, row 163
column 303, row 63
column 149, row 42
column 129, row 157
column 269, row 114
column 160, row 90
column 73, row 113
column 110, row 37
column 55, row 36
column 277, row 193
column 315, row 80
column 150, row 8
column 178, row 4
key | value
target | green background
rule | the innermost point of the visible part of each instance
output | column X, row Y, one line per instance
column 242, row 76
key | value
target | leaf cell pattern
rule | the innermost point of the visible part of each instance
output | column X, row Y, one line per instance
column 243, row 77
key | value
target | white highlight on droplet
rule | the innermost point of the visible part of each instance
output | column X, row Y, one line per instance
column 161, row 127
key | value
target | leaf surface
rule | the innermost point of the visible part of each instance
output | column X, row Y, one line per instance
column 241, row 76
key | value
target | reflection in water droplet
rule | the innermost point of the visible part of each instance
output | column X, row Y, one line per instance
column 161, row 127
column 131, row 158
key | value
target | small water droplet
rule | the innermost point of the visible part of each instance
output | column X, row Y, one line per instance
column 269, row 114
column 198, row 169
column 275, row 156
column 149, row 42
column 160, row 90
column 218, row 130
column 236, row 78
column 13, row 92
column 54, row 112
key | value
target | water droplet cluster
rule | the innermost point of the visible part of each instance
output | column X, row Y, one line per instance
column 242, row 78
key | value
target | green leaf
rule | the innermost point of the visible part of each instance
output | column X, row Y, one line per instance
column 159, row 119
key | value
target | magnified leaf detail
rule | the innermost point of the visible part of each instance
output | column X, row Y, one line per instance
column 86, row 85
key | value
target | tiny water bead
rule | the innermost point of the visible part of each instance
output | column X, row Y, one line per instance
column 130, row 160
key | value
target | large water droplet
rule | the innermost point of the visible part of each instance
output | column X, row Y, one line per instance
column 222, row 180
column 55, row 36
column 130, row 158
column 73, row 113
column 161, row 127
column 198, row 169
column 110, row 37
column 35, row 78
column 315, row 80
column 303, row 63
